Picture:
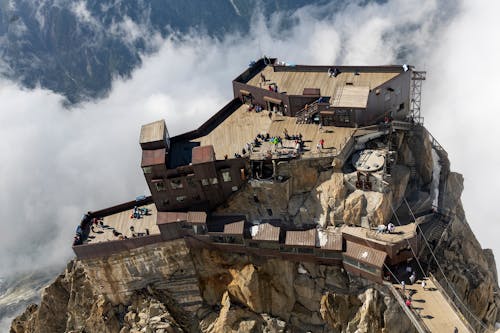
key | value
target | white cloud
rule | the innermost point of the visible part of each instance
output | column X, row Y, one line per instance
column 461, row 109
column 58, row 163
column 82, row 13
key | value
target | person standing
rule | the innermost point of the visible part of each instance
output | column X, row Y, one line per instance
column 412, row 278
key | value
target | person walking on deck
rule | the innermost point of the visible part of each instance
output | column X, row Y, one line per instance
column 412, row 278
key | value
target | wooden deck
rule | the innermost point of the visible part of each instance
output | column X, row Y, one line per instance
column 400, row 233
column 242, row 127
column 293, row 83
column 121, row 222
column 433, row 309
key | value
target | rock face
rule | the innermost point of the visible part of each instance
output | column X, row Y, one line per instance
column 170, row 287
column 471, row 273
column 241, row 294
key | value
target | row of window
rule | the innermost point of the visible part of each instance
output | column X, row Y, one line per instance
column 176, row 183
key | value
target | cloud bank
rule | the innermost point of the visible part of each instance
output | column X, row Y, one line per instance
column 58, row 163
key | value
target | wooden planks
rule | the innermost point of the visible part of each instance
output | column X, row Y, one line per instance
column 293, row 83
column 121, row 222
column 243, row 126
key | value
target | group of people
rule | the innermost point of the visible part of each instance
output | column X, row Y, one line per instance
column 389, row 228
column 257, row 108
column 138, row 212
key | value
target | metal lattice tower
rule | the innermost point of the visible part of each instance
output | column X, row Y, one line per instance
column 416, row 96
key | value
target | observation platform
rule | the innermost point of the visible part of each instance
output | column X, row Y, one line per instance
column 117, row 226
column 243, row 126
column 292, row 82
column 400, row 233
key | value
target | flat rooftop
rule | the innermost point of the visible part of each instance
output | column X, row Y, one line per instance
column 121, row 223
column 400, row 234
column 242, row 126
column 293, row 82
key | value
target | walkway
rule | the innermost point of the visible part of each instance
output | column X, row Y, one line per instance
column 433, row 309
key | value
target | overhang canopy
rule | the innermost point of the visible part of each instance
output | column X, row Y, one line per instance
column 272, row 100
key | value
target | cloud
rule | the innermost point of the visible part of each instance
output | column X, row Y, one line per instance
column 461, row 110
column 59, row 163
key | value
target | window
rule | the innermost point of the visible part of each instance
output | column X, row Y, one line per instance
column 377, row 92
column 147, row 170
column 401, row 106
column 160, row 186
column 348, row 83
column 190, row 181
column 181, row 198
column 269, row 212
column 214, row 181
column 176, row 183
column 387, row 97
column 226, row 175
column 204, row 182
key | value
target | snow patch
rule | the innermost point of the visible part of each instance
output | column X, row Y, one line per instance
column 321, row 239
column 302, row 270
column 253, row 230
column 436, row 172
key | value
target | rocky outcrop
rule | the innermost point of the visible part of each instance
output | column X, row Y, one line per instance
column 464, row 262
column 170, row 287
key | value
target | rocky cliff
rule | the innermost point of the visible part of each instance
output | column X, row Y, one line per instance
column 173, row 287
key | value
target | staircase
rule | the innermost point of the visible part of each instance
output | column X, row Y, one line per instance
column 305, row 116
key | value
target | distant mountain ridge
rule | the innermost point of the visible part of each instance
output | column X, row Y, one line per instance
column 75, row 48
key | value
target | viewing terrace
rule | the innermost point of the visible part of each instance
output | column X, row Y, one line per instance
column 123, row 225
column 293, row 79
column 243, row 126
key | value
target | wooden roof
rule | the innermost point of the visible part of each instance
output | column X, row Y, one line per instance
column 267, row 232
column 293, row 82
column 365, row 254
column 153, row 132
column 301, row 238
column 235, row 228
column 351, row 97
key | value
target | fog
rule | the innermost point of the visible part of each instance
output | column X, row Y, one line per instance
column 58, row 163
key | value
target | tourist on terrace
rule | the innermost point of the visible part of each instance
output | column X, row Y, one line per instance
column 391, row 227
column 408, row 302
column 413, row 277
column 322, row 143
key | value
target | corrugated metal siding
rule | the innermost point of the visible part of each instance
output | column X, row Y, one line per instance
column 334, row 242
column 170, row 217
column 365, row 254
column 197, row 217
column 153, row 157
column 267, row 232
column 203, row 154
column 235, row 228
column 301, row 238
